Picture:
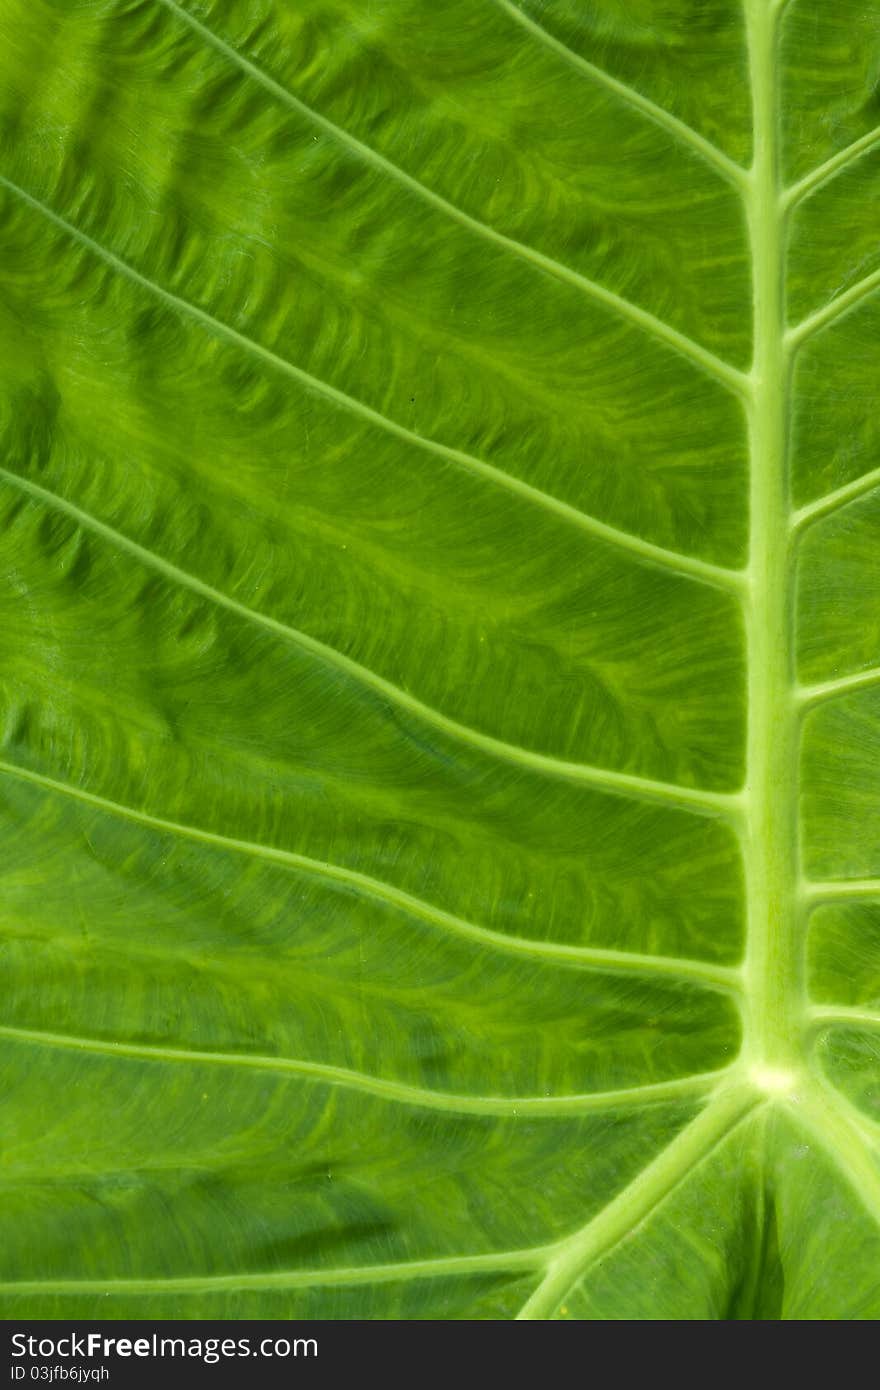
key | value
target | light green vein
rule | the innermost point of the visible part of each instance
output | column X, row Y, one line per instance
column 833, row 501
column 819, row 1112
column 774, row 957
column 832, row 311
column 707, row 361
column 731, row 171
column 865, row 1126
column 439, row 1268
column 658, row 556
column 796, row 192
column 694, row 800
column 824, row 1016
column 816, row 892
column 639, row 1199
column 581, row 957
column 399, row 1092
column 808, row 696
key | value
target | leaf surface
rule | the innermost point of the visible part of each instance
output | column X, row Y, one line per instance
column 440, row 690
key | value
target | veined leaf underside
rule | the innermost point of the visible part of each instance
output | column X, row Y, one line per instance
column 438, row 760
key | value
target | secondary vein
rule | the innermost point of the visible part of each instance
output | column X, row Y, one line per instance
column 690, row 566
column 385, row 1089
column 639, row 1199
column 729, row 170
column 831, row 312
column 829, row 1015
column 834, row 500
column 437, row 1268
column 796, row 192
column 702, row 972
column 820, row 1112
column 702, row 357
column 808, row 696
column 694, row 800
column 819, row 892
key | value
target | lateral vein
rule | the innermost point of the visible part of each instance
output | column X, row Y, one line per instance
column 694, row 800
column 702, row 357
column 821, row 1113
column 631, row 1207
column 292, row 1278
column 732, row 172
column 703, row 571
column 808, row 696
column 832, row 311
column 400, row 1092
column 834, row 500
column 827, row 1015
column 582, row 957
column 820, row 892
column 796, row 192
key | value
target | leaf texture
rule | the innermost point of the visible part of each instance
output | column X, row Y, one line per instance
column 441, row 681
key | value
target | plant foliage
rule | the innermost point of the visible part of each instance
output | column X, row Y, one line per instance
column 440, row 688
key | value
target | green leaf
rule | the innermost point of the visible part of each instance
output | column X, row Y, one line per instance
column 441, row 677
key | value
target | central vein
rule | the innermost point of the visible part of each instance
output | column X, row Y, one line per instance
column 773, row 959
